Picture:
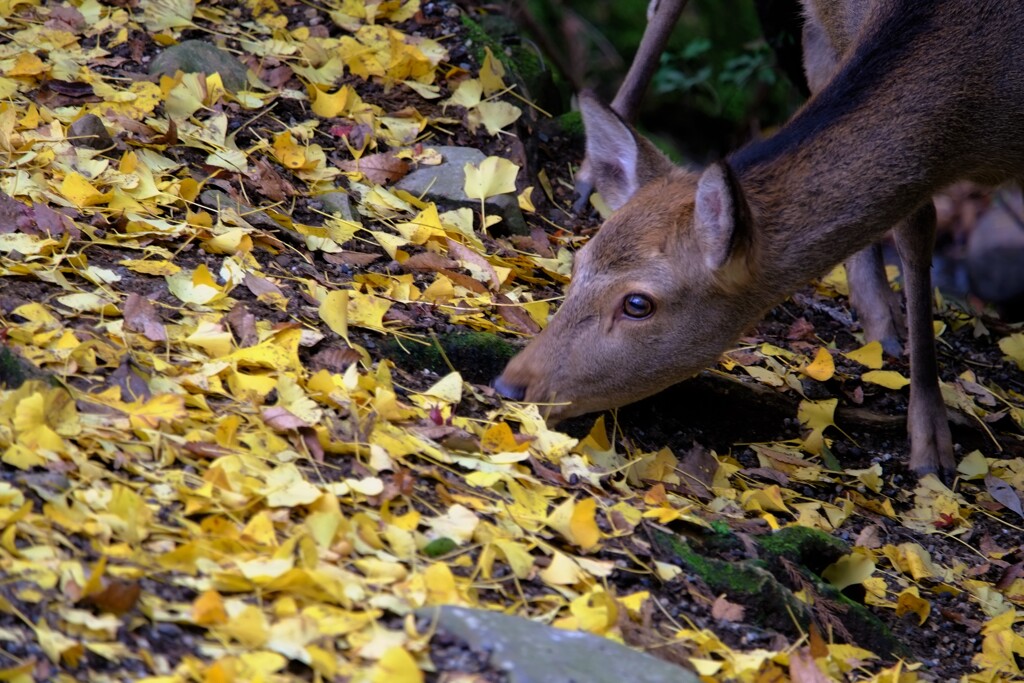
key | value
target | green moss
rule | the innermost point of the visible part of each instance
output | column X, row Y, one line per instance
column 811, row 548
column 479, row 356
column 15, row 370
column 525, row 65
column 764, row 587
column 480, row 39
column 571, row 124
column 767, row 602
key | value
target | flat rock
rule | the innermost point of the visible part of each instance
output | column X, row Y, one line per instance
column 337, row 203
column 197, row 56
column 445, row 183
column 995, row 252
column 217, row 200
column 529, row 652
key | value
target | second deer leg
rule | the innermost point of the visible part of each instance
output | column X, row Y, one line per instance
column 931, row 444
column 877, row 305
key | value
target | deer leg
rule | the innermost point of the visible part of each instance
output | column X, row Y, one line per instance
column 662, row 16
column 877, row 305
column 661, row 19
column 931, row 444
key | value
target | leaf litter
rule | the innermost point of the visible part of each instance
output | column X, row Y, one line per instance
column 220, row 475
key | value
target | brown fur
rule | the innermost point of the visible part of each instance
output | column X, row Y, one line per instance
column 925, row 93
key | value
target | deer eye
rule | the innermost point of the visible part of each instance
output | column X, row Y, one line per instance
column 637, row 306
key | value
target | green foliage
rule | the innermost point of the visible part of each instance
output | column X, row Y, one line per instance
column 717, row 75
column 728, row 90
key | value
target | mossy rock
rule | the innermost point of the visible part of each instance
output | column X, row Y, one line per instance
column 807, row 547
column 571, row 125
column 478, row 356
column 199, row 56
column 15, row 370
column 765, row 586
column 528, row 68
column 766, row 601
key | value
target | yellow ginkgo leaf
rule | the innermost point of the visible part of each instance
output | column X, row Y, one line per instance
column 493, row 116
column 492, row 177
column 869, row 355
column 440, row 584
column 822, row 367
column 80, row 192
column 159, row 15
column 910, row 601
column 518, row 558
column 911, row 559
column 816, row 416
column 367, row 310
column 890, row 379
column 583, row 524
column 198, row 287
column 396, row 666
column 331, row 105
column 492, row 72
column 208, row 609
column 526, row 200
column 447, row 389
column 288, row 152
column 974, row 465
column 1013, row 347
column 166, row 408
column 468, row 94
column 849, row 570
column 334, row 312
column 28, row 64
column 562, row 571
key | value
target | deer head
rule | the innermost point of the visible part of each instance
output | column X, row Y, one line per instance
column 658, row 294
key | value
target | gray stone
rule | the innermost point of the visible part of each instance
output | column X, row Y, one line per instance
column 337, row 203
column 995, row 252
column 217, row 200
column 198, row 56
column 90, row 132
column 444, row 183
column 529, row 652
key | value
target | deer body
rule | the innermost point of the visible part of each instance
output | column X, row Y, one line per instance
column 922, row 93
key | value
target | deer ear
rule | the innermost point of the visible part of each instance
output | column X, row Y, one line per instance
column 621, row 161
column 721, row 216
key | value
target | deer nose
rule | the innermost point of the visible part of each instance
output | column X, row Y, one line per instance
column 509, row 390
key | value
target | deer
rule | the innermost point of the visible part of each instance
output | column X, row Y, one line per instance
column 909, row 96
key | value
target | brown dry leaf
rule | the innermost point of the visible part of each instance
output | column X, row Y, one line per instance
column 801, row 330
column 14, row 216
column 697, row 471
column 115, row 596
column 428, row 261
column 355, row 259
column 282, row 420
column 517, row 319
column 268, row 181
column 261, row 286
column 475, row 262
column 869, row 537
column 803, row 668
column 724, row 610
column 140, row 316
column 380, row 169
column 243, row 325
column 1003, row 493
